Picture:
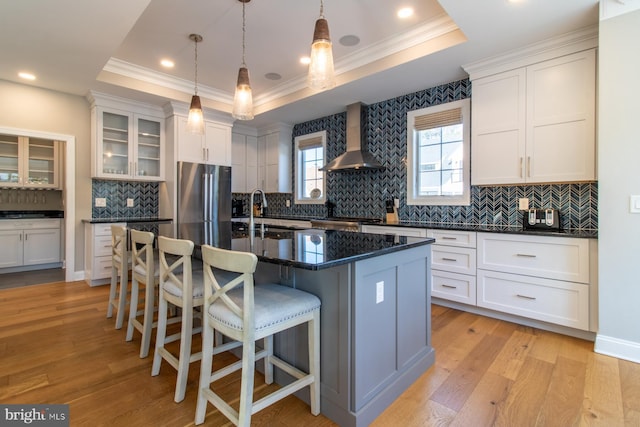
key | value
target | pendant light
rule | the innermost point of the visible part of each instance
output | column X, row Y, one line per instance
column 321, row 75
column 195, row 122
column 243, row 99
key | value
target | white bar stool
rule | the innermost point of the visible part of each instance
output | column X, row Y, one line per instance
column 145, row 270
column 182, row 287
column 120, row 262
column 246, row 313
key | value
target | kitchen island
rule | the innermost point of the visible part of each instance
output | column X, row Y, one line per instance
column 375, row 328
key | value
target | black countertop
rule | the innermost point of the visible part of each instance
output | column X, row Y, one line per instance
column 308, row 249
column 127, row 220
column 31, row 214
column 580, row 233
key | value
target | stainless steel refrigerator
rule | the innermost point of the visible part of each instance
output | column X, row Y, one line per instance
column 204, row 204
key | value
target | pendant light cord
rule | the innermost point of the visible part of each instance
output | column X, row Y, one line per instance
column 243, row 31
column 321, row 9
column 196, row 77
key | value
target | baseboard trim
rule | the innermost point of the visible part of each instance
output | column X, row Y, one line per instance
column 622, row 349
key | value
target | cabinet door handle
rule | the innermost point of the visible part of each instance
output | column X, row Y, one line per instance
column 449, row 259
column 525, row 297
column 449, row 238
column 207, row 154
column 521, row 162
column 526, row 255
column 204, row 154
column 529, row 166
column 450, row 286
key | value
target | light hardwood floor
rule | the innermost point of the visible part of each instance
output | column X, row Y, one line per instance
column 56, row 346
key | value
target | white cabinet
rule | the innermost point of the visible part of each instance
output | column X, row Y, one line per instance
column 97, row 252
column 127, row 140
column 453, row 265
column 535, row 124
column 32, row 242
column 29, row 162
column 214, row 147
column 539, row 277
column 274, row 159
column 244, row 161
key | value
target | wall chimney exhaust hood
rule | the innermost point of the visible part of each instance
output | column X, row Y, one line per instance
column 356, row 157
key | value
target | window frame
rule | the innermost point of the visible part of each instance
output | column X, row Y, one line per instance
column 298, row 184
column 413, row 198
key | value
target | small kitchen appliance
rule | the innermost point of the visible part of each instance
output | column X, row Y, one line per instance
column 541, row 220
column 392, row 212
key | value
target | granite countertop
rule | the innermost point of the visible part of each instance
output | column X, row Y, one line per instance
column 127, row 220
column 580, row 233
column 308, row 249
column 31, row 214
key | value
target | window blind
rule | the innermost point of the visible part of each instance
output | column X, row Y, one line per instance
column 439, row 119
column 306, row 144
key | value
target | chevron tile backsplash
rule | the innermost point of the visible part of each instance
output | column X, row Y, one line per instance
column 144, row 194
column 362, row 193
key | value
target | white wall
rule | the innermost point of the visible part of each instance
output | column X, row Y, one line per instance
column 618, row 178
column 32, row 108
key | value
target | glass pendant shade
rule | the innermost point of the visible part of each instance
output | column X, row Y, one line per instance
column 243, row 99
column 321, row 74
column 195, row 122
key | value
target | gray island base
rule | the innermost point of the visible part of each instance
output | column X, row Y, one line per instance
column 375, row 330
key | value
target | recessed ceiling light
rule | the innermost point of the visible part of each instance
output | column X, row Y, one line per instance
column 349, row 40
column 26, row 76
column 167, row 63
column 305, row 60
column 273, row 76
column 405, row 12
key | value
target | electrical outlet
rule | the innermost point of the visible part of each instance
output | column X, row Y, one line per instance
column 101, row 202
column 523, row 204
column 129, row 203
column 288, row 203
column 396, row 203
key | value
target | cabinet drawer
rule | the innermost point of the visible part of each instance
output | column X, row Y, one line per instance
column 456, row 260
column 466, row 239
column 104, row 229
column 102, row 267
column 453, row 286
column 102, row 246
column 554, row 301
column 561, row 258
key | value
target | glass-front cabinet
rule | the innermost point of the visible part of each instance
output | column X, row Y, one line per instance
column 127, row 145
column 28, row 162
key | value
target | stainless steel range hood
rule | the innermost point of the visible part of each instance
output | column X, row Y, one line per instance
column 356, row 157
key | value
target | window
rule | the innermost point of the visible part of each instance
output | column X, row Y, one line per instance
column 310, row 156
column 438, row 154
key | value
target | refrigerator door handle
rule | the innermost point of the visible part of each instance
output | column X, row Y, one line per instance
column 205, row 189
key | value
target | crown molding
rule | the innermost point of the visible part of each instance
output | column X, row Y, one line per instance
column 96, row 98
column 575, row 41
column 137, row 72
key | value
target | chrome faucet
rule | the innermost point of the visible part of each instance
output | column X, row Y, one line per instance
column 264, row 205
